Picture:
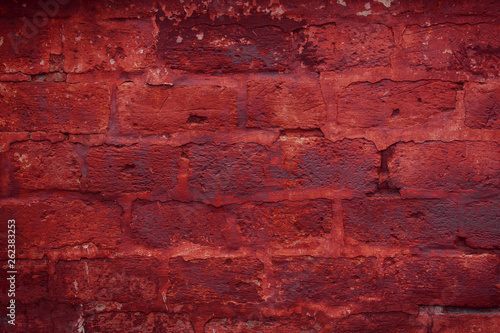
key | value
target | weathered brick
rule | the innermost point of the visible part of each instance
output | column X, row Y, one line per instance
column 160, row 224
column 337, row 281
column 42, row 166
column 214, row 280
column 482, row 105
column 396, row 104
column 138, row 322
column 293, row 323
column 468, row 47
column 398, row 222
column 283, row 223
column 397, row 322
column 150, row 110
column 108, row 45
column 55, row 223
column 464, row 281
column 242, row 170
column 466, row 323
column 140, row 167
column 316, row 162
column 224, row 48
column 120, row 280
column 347, row 45
column 445, row 166
column 237, row 169
column 285, row 103
column 57, row 107
column 23, row 49
column 480, row 224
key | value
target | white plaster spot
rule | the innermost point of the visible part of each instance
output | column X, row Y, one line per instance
column 79, row 38
column 1, row 41
column 200, row 36
column 386, row 3
column 42, row 62
column 367, row 5
column 364, row 13
column 179, row 39
column 76, row 287
column 164, row 296
column 448, row 51
column 22, row 158
column 100, row 307
column 278, row 11
column 112, row 61
column 341, row 2
column 80, row 323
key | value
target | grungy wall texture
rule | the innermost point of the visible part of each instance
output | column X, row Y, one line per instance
column 250, row 166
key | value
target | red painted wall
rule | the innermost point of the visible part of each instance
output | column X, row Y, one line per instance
column 250, row 166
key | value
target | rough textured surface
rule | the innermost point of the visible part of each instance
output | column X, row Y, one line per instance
column 250, row 166
column 149, row 110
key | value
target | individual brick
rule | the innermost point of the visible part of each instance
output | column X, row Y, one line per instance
column 482, row 105
column 480, row 224
column 214, row 280
column 42, row 166
column 107, row 45
column 466, row 323
column 224, row 48
column 334, row 281
column 24, row 49
column 462, row 280
column 56, row 223
column 120, row 280
column 467, row 47
column 448, row 166
column 339, row 47
column 314, row 162
column 285, row 103
column 293, row 323
column 397, row 222
column 396, row 104
column 156, row 110
column 54, row 107
column 238, row 170
column 242, row 170
column 284, row 223
column 138, row 322
column 141, row 167
column 161, row 224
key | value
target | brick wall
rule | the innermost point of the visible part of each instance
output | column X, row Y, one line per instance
column 251, row 166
